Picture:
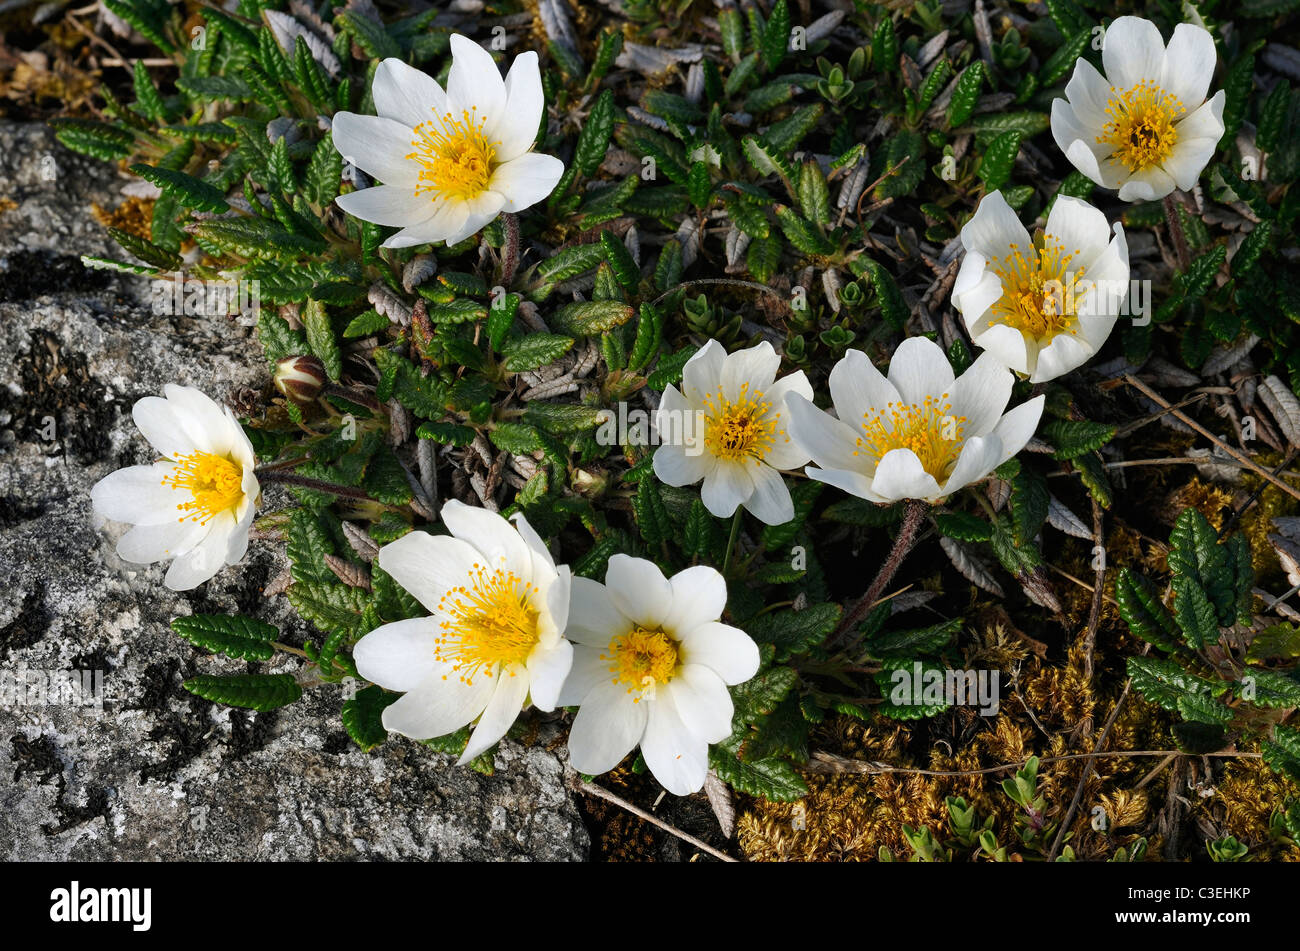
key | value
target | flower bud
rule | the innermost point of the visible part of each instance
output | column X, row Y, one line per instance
column 300, row 378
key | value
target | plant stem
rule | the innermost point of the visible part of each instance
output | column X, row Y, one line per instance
column 352, row 396
column 731, row 542
column 1176, row 232
column 913, row 515
column 291, row 478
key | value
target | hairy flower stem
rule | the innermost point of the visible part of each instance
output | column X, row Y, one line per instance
column 1176, row 231
column 290, row 478
column 352, row 396
column 731, row 542
column 510, row 249
column 913, row 515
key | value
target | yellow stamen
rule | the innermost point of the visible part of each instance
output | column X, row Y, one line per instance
column 1141, row 130
column 215, row 482
column 1040, row 295
column 489, row 622
column 929, row 430
column 642, row 658
column 741, row 428
column 455, row 157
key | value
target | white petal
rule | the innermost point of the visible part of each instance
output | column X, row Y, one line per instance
column 377, row 146
column 438, row 706
column 191, row 568
column 699, row 595
column 137, row 495
column 406, row 94
column 160, row 424
column 702, row 375
column 478, row 213
column 1205, row 121
column 525, row 102
column 389, row 205
column 728, row 651
column 1009, row 346
column 527, row 179
column 1017, row 427
column 237, row 542
column 770, row 500
column 1089, row 95
column 428, row 565
column 753, row 369
column 1189, row 64
column 979, row 456
column 727, row 486
column 589, row 670
column 829, row 441
column 991, row 231
column 145, row 544
column 1081, row 228
column 500, row 713
column 919, row 369
column 980, row 394
column 1063, row 354
column 854, row 483
column 702, row 702
column 398, row 656
column 547, row 670
column 975, row 301
column 501, row 545
column 1132, row 50
column 558, row 600
column 676, row 756
column 675, row 466
column 207, row 422
column 447, row 219
column 474, row 83
column 608, row 726
column 900, row 475
column 639, row 590
column 593, row 617
column 1150, row 184
column 543, row 571
column 857, row 388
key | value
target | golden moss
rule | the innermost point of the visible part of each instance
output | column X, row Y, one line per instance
column 135, row 216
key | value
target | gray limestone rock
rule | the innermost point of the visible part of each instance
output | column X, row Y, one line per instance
column 153, row 772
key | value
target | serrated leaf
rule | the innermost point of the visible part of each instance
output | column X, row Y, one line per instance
column 240, row 637
column 252, row 691
column 363, row 717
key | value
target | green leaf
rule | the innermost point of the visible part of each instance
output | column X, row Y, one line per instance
column 776, row 35
column 963, row 526
column 801, row 233
column 584, row 318
column 333, row 608
column 760, row 695
column 215, row 88
column 1162, row 681
column 373, row 38
column 251, row 691
column 1062, row 61
column 888, row 296
column 147, row 251
column 535, row 350
column 966, row 93
column 363, row 717
column 307, row 544
column 1073, row 438
column 649, row 332
column 772, row 779
column 244, row 638
column 651, row 514
column 593, row 140
column 1141, row 608
column 814, row 196
column 1282, row 753
column 793, row 632
column 999, row 158
column 321, row 339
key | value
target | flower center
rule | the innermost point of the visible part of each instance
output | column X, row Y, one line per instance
column 642, row 658
column 1039, row 289
column 929, row 430
column 215, row 482
column 739, row 429
column 490, row 622
column 1141, row 129
column 455, row 157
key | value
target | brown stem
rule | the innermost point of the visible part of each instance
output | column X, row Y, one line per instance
column 1176, row 232
column 510, row 250
column 352, row 396
column 912, row 515
column 292, row 478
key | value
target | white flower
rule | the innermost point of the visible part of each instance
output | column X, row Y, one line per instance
column 651, row 668
column 450, row 161
column 493, row 641
column 195, row 505
column 1146, row 127
column 1044, row 306
column 919, row 434
column 727, row 426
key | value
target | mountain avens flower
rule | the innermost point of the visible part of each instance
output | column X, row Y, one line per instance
column 1042, row 305
column 918, row 434
column 1145, row 128
column 727, row 426
column 194, row 506
column 493, row 640
column 651, row 667
column 450, row 161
